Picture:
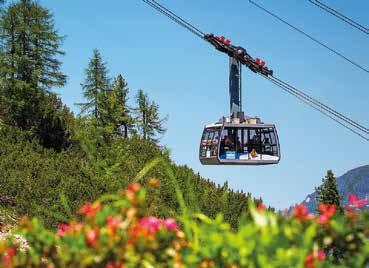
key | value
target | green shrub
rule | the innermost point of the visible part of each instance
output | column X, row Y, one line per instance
column 43, row 183
column 116, row 231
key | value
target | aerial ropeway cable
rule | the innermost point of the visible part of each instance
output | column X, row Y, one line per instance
column 334, row 51
column 258, row 66
column 340, row 16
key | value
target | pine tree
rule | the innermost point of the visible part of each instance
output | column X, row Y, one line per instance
column 148, row 121
column 95, row 88
column 117, row 112
column 327, row 193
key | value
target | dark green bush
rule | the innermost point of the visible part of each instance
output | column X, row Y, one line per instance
column 44, row 183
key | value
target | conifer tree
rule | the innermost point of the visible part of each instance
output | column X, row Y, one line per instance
column 30, row 47
column 95, row 88
column 30, row 68
column 117, row 112
column 327, row 193
column 148, row 121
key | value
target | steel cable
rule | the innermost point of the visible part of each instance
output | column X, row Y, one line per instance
column 310, row 37
column 340, row 16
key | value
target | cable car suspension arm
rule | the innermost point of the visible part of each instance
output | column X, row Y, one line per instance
column 258, row 66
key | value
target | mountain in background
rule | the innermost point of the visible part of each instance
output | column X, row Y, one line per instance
column 355, row 181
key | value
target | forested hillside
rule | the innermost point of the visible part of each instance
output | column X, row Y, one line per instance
column 52, row 161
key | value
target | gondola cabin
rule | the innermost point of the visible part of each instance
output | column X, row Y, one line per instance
column 234, row 143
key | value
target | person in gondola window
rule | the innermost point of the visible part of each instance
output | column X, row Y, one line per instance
column 267, row 146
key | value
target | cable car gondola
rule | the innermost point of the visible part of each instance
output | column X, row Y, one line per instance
column 239, row 140
column 247, row 143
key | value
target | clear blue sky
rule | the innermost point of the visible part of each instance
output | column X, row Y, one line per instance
column 189, row 79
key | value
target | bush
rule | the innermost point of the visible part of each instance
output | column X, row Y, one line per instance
column 43, row 183
column 116, row 231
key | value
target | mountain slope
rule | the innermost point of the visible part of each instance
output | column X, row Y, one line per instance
column 355, row 181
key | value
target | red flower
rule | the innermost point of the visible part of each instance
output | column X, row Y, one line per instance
column 311, row 258
column 63, row 229
column 115, row 265
column 131, row 190
column 92, row 236
column 300, row 212
column 90, row 210
column 354, row 201
column 326, row 212
column 261, row 207
column 8, row 256
column 309, row 261
column 69, row 228
column 112, row 223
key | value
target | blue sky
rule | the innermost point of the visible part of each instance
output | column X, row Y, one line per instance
column 189, row 79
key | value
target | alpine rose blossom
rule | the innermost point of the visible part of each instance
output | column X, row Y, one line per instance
column 63, row 229
column 149, row 226
column 326, row 212
column 131, row 190
column 300, row 212
column 90, row 210
column 312, row 257
column 8, row 256
column 91, row 237
column 69, row 228
column 112, row 223
column 354, row 201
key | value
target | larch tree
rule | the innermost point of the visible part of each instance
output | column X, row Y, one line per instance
column 95, row 88
column 30, row 67
column 117, row 112
column 148, row 121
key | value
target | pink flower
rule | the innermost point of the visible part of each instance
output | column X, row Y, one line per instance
column 354, row 201
column 171, row 225
column 92, row 236
column 323, row 219
column 149, row 226
column 326, row 212
column 63, row 229
column 112, row 223
column 321, row 255
column 69, row 228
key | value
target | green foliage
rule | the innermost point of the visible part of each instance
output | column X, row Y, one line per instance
column 327, row 193
column 29, row 68
column 148, row 122
column 30, row 47
column 95, row 88
column 117, row 113
column 35, row 177
column 117, row 231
